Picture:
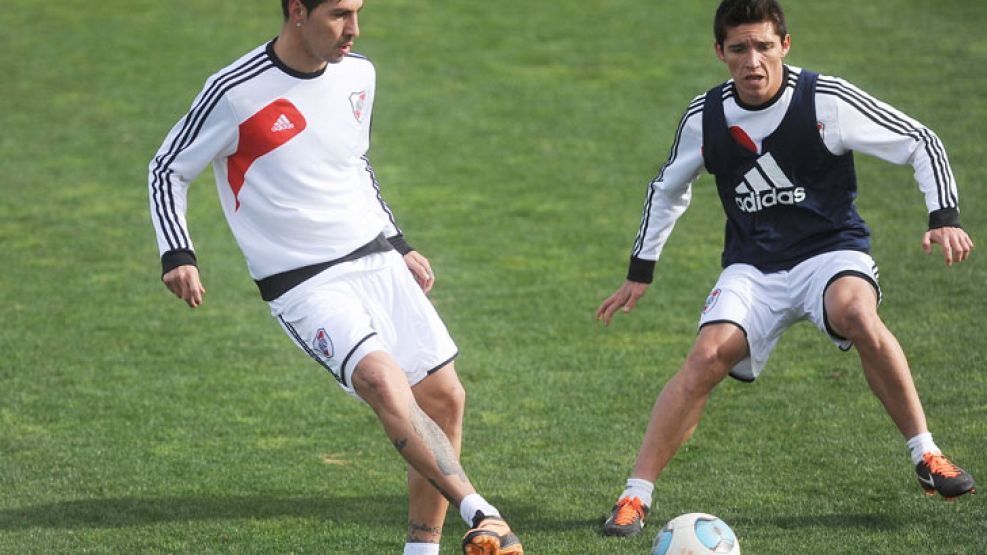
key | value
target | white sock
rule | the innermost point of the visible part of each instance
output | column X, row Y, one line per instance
column 921, row 444
column 421, row 549
column 473, row 503
column 642, row 489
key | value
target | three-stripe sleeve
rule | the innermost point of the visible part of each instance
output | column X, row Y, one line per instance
column 206, row 132
column 865, row 124
column 670, row 192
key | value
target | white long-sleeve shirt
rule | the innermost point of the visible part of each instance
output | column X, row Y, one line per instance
column 288, row 152
column 848, row 120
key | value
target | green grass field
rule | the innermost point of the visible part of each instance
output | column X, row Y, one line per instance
column 514, row 141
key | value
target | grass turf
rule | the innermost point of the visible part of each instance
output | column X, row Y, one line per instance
column 514, row 141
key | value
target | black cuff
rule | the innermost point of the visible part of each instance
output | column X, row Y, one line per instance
column 944, row 217
column 640, row 270
column 173, row 259
column 400, row 244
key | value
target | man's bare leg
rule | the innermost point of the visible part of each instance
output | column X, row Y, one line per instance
column 674, row 418
column 443, row 399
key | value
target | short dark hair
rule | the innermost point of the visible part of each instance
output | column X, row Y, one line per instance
column 309, row 5
column 732, row 13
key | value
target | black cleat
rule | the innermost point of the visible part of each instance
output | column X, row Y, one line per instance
column 626, row 518
column 936, row 474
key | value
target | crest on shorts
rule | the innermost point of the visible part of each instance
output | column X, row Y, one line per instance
column 714, row 296
column 357, row 101
column 322, row 343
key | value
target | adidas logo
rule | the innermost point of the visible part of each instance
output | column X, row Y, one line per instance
column 766, row 185
column 282, row 124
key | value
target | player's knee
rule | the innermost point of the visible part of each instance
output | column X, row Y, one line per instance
column 711, row 359
column 857, row 321
column 705, row 367
column 452, row 400
column 442, row 396
column 457, row 397
column 376, row 384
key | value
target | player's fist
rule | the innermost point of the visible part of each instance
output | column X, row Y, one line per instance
column 184, row 282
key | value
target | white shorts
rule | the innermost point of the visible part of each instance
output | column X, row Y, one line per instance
column 765, row 305
column 370, row 304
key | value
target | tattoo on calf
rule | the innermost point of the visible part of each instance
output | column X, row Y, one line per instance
column 437, row 442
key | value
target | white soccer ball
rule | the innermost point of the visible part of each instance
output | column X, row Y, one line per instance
column 696, row 534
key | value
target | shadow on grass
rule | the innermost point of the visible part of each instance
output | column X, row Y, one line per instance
column 123, row 512
column 134, row 511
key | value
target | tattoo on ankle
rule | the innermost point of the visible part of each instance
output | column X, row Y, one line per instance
column 400, row 443
column 421, row 532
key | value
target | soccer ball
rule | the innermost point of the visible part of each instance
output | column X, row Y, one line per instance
column 696, row 534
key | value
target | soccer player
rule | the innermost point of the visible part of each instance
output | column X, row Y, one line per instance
column 286, row 129
column 779, row 141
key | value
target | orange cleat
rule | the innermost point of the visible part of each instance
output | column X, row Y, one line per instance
column 490, row 535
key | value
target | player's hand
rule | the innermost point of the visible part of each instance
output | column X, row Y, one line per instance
column 955, row 243
column 184, row 282
column 420, row 269
column 624, row 299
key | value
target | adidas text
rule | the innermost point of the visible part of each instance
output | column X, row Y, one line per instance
column 755, row 202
